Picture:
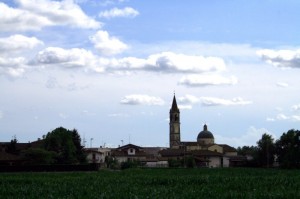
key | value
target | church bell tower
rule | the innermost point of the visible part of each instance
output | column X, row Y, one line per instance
column 174, row 125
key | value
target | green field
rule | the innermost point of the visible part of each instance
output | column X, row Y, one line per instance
column 154, row 183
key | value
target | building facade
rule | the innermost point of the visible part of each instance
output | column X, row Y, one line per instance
column 204, row 151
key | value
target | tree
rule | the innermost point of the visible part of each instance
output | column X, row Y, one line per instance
column 66, row 144
column 81, row 157
column 37, row 156
column 266, row 150
column 288, row 149
column 12, row 147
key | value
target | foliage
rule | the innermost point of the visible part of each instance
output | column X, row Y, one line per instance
column 189, row 162
column 265, row 150
column 36, row 156
column 12, row 147
column 130, row 164
column 288, row 149
column 111, row 162
column 66, row 144
column 174, row 163
column 154, row 183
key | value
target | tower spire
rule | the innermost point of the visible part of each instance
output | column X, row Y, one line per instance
column 174, row 125
column 174, row 107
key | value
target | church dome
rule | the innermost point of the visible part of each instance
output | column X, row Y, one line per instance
column 205, row 134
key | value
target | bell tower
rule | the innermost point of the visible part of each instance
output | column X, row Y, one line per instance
column 174, row 125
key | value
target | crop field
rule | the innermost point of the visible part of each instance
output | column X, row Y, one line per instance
column 154, row 183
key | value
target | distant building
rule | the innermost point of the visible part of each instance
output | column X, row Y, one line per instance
column 93, row 155
column 148, row 156
column 204, row 150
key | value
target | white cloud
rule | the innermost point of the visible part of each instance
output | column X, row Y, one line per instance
column 116, row 12
column 282, row 84
column 13, row 67
column 36, row 14
column 165, row 62
column 142, row 100
column 206, row 80
column 14, row 19
column 10, row 63
column 212, row 101
column 185, row 107
column 169, row 62
column 16, row 43
column 69, row 58
column 188, row 99
column 247, row 139
column 106, row 44
column 284, row 117
column 281, row 58
column 296, row 107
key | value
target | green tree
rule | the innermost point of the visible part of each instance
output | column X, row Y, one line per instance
column 80, row 155
column 37, row 156
column 266, row 150
column 288, row 149
column 251, row 152
column 66, row 144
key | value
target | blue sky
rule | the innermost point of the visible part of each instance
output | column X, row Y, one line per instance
column 109, row 69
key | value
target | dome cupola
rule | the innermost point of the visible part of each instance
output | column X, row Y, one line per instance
column 205, row 136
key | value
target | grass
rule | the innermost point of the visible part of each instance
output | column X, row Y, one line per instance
column 154, row 183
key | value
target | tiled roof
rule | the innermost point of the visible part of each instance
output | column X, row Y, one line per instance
column 129, row 146
column 227, row 148
column 118, row 153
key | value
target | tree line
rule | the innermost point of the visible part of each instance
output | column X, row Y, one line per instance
column 60, row 146
column 284, row 152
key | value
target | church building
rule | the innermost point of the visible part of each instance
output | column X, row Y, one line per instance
column 204, row 150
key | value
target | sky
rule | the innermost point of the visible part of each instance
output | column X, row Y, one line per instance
column 110, row 68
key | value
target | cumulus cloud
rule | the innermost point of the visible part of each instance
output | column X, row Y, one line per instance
column 69, row 58
column 17, row 43
column 142, row 100
column 188, row 99
column 106, row 44
column 281, row 58
column 13, row 67
column 206, row 80
column 36, row 14
column 212, row 101
column 116, row 12
column 165, row 62
column 169, row 62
